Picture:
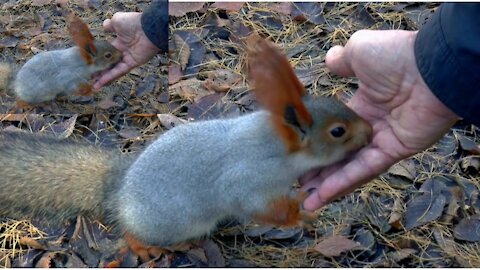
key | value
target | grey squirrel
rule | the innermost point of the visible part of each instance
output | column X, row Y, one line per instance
column 193, row 176
column 68, row 71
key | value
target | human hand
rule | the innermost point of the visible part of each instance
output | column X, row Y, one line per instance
column 135, row 46
column 406, row 116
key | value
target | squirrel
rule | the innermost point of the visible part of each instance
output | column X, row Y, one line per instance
column 68, row 71
column 193, row 176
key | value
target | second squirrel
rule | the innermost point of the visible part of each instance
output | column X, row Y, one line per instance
column 68, row 71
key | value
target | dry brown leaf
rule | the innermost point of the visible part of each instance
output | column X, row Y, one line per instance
column 27, row 241
column 191, row 89
column 183, row 51
column 397, row 214
column 453, row 205
column 229, row 6
column 335, row 245
column 282, row 8
column 405, row 168
column 107, row 103
column 221, row 80
column 65, row 129
column 169, row 120
column 178, row 9
column 174, row 73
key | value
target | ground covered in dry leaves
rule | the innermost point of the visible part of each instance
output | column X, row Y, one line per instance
column 425, row 211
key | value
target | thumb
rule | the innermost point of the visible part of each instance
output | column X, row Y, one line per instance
column 107, row 25
column 338, row 63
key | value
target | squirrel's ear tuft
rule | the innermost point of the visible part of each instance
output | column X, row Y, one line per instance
column 278, row 89
column 82, row 37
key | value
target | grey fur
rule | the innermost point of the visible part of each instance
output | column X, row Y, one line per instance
column 182, row 185
column 52, row 73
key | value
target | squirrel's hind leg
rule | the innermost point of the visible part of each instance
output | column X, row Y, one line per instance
column 148, row 253
column 286, row 211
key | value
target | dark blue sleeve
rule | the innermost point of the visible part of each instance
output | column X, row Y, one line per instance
column 155, row 23
column 447, row 51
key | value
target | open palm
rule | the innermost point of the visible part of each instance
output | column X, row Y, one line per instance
column 135, row 46
column 406, row 117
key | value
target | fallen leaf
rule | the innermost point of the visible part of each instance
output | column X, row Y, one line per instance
column 434, row 186
column 239, row 263
column 73, row 261
column 308, row 76
column 268, row 20
column 179, row 9
column 28, row 241
column 183, row 51
column 174, row 73
column 28, row 259
column 258, row 231
column 191, row 89
column 9, row 42
column 196, row 49
column 423, row 209
column 405, row 168
column 468, row 229
column 198, row 257
column 213, row 254
column 207, row 107
column 453, row 204
column 169, row 120
column 468, row 144
column 228, row 6
column 130, row 133
column 147, row 85
column 446, row 146
column 308, row 11
column 395, row 256
column 365, row 238
column 64, row 129
column 396, row 215
column 107, row 103
column 335, row 245
column 221, row 80
column 284, row 8
column 40, row 3
column 283, row 234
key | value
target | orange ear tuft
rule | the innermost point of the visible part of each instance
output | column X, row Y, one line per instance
column 82, row 37
column 277, row 88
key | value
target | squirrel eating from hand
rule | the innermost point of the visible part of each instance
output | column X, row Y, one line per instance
column 193, row 176
column 68, row 71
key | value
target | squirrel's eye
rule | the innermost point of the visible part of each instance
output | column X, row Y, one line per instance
column 108, row 55
column 337, row 131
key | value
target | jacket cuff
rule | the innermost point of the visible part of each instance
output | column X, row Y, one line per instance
column 155, row 23
column 443, row 53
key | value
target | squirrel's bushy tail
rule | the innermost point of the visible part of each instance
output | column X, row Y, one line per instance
column 42, row 176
